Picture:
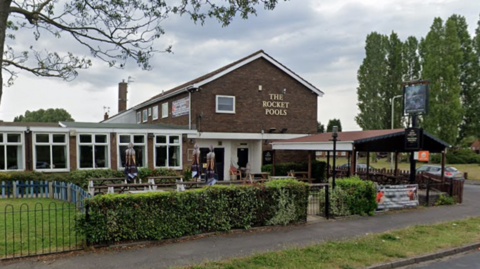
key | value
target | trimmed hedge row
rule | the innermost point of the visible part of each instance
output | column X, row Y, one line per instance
column 155, row 216
column 318, row 169
column 79, row 177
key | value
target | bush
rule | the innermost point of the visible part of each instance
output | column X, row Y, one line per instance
column 361, row 194
column 318, row 169
column 445, row 200
column 113, row 218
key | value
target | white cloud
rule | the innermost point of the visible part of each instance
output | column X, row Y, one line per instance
column 322, row 41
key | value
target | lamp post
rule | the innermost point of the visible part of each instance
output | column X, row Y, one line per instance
column 393, row 111
column 334, row 139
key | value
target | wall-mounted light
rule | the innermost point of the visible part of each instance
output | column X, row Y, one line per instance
column 259, row 88
column 266, row 142
column 284, row 91
column 151, row 135
column 272, row 130
column 284, row 130
column 28, row 130
column 191, row 141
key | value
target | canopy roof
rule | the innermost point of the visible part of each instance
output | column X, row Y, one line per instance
column 392, row 140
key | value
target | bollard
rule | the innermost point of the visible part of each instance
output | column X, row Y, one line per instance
column 69, row 193
column 14, row 189
column 50, row 190
column 78, row 199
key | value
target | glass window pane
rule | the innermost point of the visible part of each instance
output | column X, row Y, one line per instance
column 2, row 157
column 86, row 157
column 138, row 139
column 1, row 137
column 42, row 157
column 85, row 138
column 140, row 155
column 124, row 139
column 59, row 157
column 225, row 103
column 101, row 154
column 100, row 138
column 161, row 139
column 42, row 138
column 58, row 138
column 161, row 156
column 14, row 157
column 14, row 138
column 121, row 150
column 174, row 156
column 174, row 139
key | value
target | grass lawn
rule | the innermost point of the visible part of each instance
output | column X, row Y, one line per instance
column 364, row 251
column 36, row 226
column 473, row 170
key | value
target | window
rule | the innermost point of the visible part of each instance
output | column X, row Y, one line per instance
column 145, row 116
column 139, row 145
column 168, row 151
column 11, row 151
column 50, row 151
column 155, row 113
column 139, row 117
column 93, row 151
column 225, row 104
column 164, row 110
column 149, row 111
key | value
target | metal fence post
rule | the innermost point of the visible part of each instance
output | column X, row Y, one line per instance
column 327, row 202
column 428, row 192
column 69, row 193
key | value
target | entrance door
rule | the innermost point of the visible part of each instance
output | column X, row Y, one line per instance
column 219, row 160
column 242, row 155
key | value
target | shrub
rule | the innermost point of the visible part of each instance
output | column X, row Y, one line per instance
column 361, row 194
column 445, row 200
column 174, row 214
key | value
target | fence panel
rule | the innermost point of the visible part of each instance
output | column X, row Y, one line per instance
column 32, row 229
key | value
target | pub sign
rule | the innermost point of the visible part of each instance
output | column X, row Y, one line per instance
column 413, row 138
column 267, row 157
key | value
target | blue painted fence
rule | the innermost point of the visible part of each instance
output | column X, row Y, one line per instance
column 67, row 192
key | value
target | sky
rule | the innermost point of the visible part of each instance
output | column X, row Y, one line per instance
column 322, row 41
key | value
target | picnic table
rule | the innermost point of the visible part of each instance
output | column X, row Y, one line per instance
column 257, row 175
column 98, row 184
column 297, row 174
column 121, row 188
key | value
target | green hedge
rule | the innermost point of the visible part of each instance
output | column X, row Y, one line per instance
column 463, row 156
column 318, row 169
column 79, row 177
column 361, row 195
column 154, row 216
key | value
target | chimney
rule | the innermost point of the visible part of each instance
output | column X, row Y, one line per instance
column 105, row 117
column 122, row 96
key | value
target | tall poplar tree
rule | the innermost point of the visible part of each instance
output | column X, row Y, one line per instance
column 372, row 83
column 469, row 80
column 394, row 81
column 441, row 65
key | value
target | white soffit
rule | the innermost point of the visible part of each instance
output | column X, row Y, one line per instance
column 244, row 136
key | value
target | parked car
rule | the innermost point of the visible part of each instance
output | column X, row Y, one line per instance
column 450, row 171
column 359, row 166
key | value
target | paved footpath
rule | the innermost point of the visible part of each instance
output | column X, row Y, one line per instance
column 246, row 243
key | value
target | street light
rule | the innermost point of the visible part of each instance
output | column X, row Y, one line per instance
column 392, row 100
column 334, row 136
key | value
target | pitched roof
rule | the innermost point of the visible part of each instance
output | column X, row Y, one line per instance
column 195, row 83
column 342, row 136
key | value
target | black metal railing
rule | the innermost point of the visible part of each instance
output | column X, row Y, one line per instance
column 319, row 201
column 37, row 229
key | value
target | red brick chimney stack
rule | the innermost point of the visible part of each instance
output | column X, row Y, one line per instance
column 122, row 96
column 105, row 117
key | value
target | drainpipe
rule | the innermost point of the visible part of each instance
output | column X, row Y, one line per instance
column 189, row 110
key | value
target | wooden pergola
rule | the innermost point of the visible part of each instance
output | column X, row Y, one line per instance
column 392, row 141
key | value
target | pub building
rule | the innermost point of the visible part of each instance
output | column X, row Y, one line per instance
column 239, row 109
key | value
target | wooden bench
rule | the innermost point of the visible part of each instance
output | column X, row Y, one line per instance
column 99, row 184
column 124, row 187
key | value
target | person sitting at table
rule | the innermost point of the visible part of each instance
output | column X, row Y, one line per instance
column 211, row 167
column 131, row 170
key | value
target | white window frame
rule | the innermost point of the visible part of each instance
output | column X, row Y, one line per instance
column 51, row 144
column 155, row 113
column 139, row 117
column 165, row 110
column 119, row 153
column 145, row 115
column 167, row 145
column 217, row 110
column 5, row 143
column 93, row 144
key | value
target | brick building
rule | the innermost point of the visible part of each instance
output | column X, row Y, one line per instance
column 239, row 109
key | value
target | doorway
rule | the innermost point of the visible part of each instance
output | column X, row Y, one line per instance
column 242, row 155
column 219, row 160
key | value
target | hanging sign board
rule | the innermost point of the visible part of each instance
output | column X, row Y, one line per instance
column 397, row 196
column 180, row 107
column 415, row 98
column 267, row 157
column 422, row 156
column 413, row 138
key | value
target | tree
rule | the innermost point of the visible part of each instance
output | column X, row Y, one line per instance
column 41, row 115
column 334, row 122
column 394, row 79
column 320, row 128
column 441, row 65
column 113, row 31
